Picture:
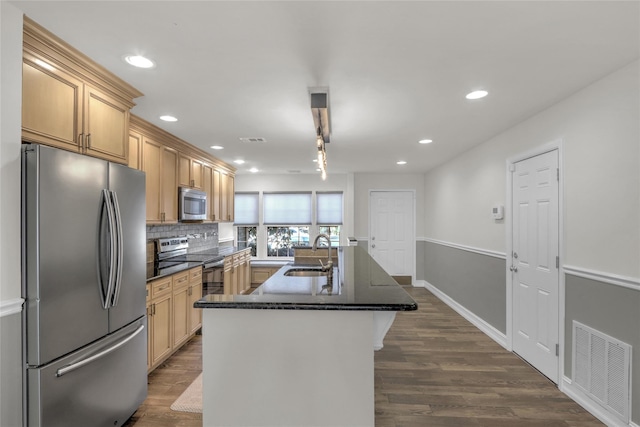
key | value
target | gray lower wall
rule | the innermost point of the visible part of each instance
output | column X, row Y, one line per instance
column 611, row 309
column 475, row 281
column 11, row 370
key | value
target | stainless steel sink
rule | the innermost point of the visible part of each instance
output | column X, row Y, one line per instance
column 305, row 272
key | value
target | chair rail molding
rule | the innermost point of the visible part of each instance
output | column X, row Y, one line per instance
column 11, row 306
column 599, row 276
column 480, row 251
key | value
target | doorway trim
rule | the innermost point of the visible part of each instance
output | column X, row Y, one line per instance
column 510, row 164
column 413, row 225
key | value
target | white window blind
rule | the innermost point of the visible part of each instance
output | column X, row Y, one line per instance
column 246, row 209
column 329, row 208
column 286, row 208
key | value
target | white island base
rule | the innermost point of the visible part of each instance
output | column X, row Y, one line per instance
column 290, row 367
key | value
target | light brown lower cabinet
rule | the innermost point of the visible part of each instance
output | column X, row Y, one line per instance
column 195, row 293
column 237, row 272
column 159, row 321
column 259, row 275
column 171, row 318
column 180, row 310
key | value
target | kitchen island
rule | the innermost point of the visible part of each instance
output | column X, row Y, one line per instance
column 298, row 351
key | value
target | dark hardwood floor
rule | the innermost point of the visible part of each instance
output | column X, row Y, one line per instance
column 436, row 369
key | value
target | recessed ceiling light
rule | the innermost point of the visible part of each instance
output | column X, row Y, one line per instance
column 139, row 61
column 315, row 160
column 401, row 162
column 168, row 118
column 254, row 170
column 217, row 147
column 477, row 94
column 425, row 141
column 238, row 162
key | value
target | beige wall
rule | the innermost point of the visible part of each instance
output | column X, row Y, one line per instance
column 10, row 122
column 599, row 130
column 364, row 182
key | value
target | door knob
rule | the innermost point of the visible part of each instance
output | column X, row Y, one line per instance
column 373, row 246
column 373, row 238
column 514, row 269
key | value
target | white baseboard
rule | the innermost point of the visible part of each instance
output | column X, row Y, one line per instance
column 420, row 284
column 567, row 387
column 478, row 322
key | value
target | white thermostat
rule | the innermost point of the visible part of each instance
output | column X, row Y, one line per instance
column 497, row 212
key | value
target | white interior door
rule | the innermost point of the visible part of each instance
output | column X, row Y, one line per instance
column 535, row 272
column 391, row 236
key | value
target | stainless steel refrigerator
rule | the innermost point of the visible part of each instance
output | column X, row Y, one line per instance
column 84, row 322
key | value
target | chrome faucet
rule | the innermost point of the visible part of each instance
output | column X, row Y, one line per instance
column 328, row 267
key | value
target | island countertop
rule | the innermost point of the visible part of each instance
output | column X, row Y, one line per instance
column 359, row 283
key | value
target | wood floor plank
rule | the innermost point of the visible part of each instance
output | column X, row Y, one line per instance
column 436, row 370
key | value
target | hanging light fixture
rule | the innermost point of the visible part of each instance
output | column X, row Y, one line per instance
column 322, row 155
column 320, row 112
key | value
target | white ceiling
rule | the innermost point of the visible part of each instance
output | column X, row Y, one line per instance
column 396, row 71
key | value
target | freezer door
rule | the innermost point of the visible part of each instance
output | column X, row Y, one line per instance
column 129, row 298
column 99, row 386
column 62, row 208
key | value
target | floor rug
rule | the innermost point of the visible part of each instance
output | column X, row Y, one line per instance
column 191, row 399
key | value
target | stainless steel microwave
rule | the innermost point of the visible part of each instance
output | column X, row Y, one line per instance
column 192, row 204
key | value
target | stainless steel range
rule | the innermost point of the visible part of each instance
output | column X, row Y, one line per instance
column 172, row 255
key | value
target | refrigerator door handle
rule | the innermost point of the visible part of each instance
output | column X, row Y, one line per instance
column 106, row 303
column 69, row 368
column 119, row 251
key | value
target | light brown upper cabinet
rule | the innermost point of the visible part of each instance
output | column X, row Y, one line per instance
column 135, row 150
column 216, row 199
column 190, row 172
column 207, row 187
column 70, row 102
column 227, row 193
column 161, row 166
column 171, row 162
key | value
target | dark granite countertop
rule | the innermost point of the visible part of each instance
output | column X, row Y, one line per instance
column 190, row 260
column 359, row 283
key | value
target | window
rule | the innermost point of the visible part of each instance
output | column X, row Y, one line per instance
column 287, row 217
column 286, row 208
column 246, row 218
column 333, row 231
column 248, row 238
column 329, row 214
column 272, row 225
column 281, row 240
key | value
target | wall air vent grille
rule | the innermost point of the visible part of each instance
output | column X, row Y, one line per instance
column 602, row 369
column 253, row 139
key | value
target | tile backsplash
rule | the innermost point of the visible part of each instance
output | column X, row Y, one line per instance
column 201, row 236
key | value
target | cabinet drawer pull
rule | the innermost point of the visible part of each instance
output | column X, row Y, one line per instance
column 89, row 140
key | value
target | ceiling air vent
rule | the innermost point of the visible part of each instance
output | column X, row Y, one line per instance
column 253, row 139
column 293, row 171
